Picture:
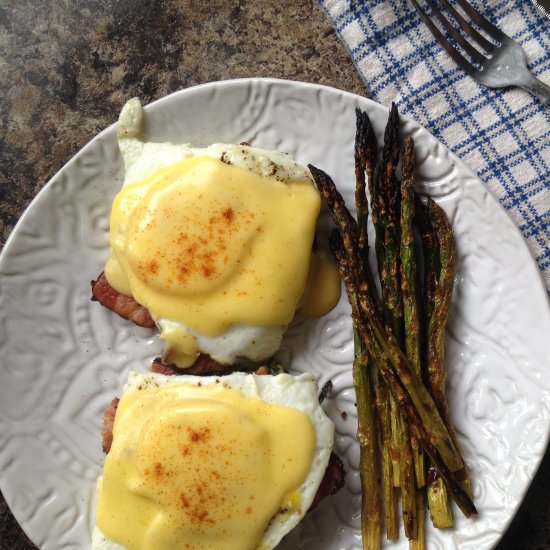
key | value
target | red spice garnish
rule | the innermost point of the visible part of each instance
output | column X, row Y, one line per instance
column 207, row 271
column 153, row 267
column 185, row 450
column 184, row 501
column 198, row 435
column 228, row 214
column 158, row 470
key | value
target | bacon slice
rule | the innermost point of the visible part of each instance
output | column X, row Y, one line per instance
column 203, row 366
column 108, row 423
column 333, row 480
column 125, row 306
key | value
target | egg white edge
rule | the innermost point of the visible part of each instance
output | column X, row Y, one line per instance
column 298, row 392
column 137, row 154
column 254, row 342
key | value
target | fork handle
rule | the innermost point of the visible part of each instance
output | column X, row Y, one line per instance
column 538, row 88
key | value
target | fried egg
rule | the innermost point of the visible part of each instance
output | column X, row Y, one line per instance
column 216, row 243
column 228, row 463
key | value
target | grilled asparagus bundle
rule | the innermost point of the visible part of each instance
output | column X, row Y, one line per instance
column 398, row 371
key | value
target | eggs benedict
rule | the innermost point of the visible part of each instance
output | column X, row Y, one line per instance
column 229, row 462
column 215, row 244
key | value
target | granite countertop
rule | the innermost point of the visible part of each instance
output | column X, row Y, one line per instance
column 67, row 68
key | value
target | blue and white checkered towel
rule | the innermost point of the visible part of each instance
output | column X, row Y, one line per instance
column 503, row 135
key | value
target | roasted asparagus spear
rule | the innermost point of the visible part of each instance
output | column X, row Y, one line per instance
column 438, row 246
column 414, row 401
column 366, row 170
column 386, row 219
column 367, row 432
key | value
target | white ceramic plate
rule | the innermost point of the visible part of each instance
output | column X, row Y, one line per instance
column 63, row 357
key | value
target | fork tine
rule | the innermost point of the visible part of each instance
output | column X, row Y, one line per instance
column 457, row 57
column 488, row 27
column 470, row 50
column 468, row 29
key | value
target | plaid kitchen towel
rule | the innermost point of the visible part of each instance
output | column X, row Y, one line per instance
column 503, row 135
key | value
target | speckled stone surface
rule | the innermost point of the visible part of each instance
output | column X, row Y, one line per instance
column 66, row 68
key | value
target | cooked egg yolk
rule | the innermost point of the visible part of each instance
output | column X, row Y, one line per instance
column 200, row 467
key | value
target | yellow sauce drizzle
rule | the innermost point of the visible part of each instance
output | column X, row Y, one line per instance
column 200, row 467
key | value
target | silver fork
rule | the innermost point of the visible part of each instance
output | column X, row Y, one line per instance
column 502, row 64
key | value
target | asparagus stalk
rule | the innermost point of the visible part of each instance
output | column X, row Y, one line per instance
column 382, row 403
column 411, row 320
column 387, row 224
column 419, row 543
column 438, row 237
column 408, row 481
column 410, row 394
column 385, row 216
column 437, row 495
column 380, row 218
column 438, row 500
column 438, row 320
column 436, row 334
column 365, row 157
column 408, row 285
column 367, row 433
column 365, row 165
column 368, row 459
column 384, row 420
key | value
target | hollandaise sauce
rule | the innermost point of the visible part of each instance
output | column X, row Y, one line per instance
column 204, row 467
column 211, row 245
